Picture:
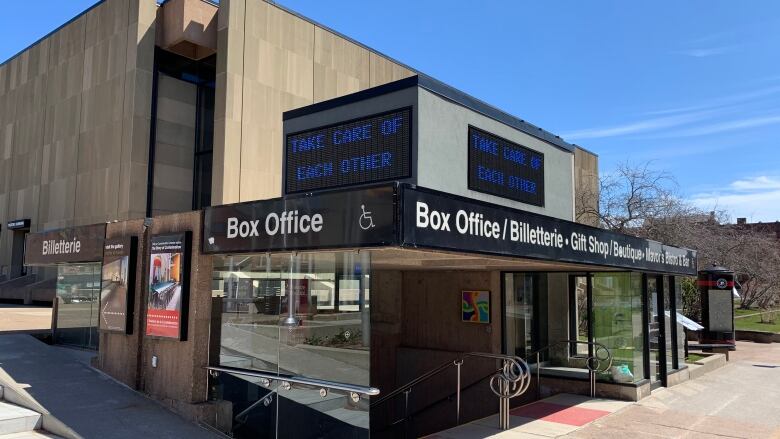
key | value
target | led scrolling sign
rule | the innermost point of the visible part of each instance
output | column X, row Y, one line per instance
column 367, row 150
column 500, row 167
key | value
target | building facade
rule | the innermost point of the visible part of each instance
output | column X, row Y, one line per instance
column 272, row 229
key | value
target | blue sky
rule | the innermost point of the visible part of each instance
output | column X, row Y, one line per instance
column 692, row 86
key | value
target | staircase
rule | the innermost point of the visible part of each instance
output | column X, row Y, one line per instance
column 20, row 423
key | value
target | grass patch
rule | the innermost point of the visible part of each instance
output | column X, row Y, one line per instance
column 692, row 358
column 753, row 323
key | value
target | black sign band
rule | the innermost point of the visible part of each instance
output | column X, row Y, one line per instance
column 19, row 224
column 356, row 218
column 444, row 221
column 429, row 219
column 77, row 244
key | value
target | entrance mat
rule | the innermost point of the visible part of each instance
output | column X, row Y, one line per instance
column 557, row 413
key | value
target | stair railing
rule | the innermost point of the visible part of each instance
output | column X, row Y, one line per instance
column 510, row 380
column 274, row 383
column 599, row 360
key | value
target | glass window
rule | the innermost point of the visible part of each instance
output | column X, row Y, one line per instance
column 520, row 313
column 678, row 300
column 668, row 322
column 580, row 315
column 617, row 323
column 303, row 314
column 78, row 290
column 299, row 314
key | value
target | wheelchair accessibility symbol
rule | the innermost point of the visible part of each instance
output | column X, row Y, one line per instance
column 366, row 221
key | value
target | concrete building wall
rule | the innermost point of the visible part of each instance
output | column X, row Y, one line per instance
column 443, row 156
column 119, row 354
column 586, row 186
column 269, row 61
column 74, row 121
column 429, row 333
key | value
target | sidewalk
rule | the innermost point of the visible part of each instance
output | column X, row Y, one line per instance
column 87, row 401
column 24, row 318
column 739, row 400
column 548, row 418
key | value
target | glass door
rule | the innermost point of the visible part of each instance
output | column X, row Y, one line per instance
column 525, row 313
column 78, row 294
column 655, row 332
column 580, row 315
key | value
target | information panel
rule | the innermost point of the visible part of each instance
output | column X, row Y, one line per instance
column 367, row 150
column 500, row 167
column 117, row 285
column 168, row 295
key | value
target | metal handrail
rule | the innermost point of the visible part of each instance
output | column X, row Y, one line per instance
column 511, row 380
column 593, row 361
column 352, row 388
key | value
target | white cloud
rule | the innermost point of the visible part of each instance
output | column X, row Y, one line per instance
column 755, row 198
column 648, row 125
column 709, row 117
column 731, row 125
column 728, row 100
column 762, row 182
column 705, row 52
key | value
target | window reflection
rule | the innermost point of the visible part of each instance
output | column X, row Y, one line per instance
column 78, row 289
column 301, row 314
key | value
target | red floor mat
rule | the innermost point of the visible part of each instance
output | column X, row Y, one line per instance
column 561, row 414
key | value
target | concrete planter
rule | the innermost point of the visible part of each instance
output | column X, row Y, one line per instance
column 707, row 364
column 758, row 336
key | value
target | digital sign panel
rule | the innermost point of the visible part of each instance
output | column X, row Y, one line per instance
column 117, row 285
column 500, row 167
column 169, row 286
column 367, row 150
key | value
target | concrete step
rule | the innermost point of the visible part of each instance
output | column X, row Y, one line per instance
column 29, row 435
column 15, row 419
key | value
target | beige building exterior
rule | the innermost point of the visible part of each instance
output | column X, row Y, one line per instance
column 80, row 108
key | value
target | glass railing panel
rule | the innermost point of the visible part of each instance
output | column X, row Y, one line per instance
column 328, row 413
column 254, row 405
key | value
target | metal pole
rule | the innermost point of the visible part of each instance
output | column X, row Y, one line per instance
column 458, row 363
column 538, row 379
column 406, row 412
column 504, row 406
column 592, row 377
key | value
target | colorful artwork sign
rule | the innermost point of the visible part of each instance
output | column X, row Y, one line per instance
column 168, row 295
column 476, row 306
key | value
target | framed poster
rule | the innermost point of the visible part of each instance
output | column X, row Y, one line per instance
column 117, row 285
column 475, row 306
column 167, row 299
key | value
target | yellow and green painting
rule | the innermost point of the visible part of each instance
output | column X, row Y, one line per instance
column 476, row 306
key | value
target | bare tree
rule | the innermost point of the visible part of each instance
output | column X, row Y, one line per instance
column 641, row 201
column 631, row 197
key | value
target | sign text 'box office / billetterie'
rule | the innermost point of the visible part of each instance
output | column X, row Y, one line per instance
column 406, row 216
